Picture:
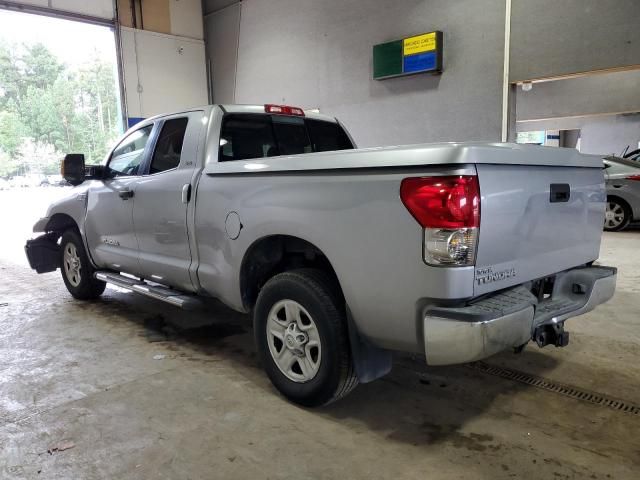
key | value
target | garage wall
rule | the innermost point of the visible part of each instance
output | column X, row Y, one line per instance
column 617, row 92
column 163, row 73
column 602, row 134
column 209, row 6
column 174, row 17
column 186, row 18
column 559, row 37
column 163, row 59
column 222, row 33
column 611, row 134
column 319, row 55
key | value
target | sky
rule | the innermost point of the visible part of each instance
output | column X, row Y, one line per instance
column 72, row 42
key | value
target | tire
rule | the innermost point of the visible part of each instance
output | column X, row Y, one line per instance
column 617, row 215
column 304, row 303
column 76, row 269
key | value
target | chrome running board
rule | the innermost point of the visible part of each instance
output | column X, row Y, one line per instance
column 158, row 292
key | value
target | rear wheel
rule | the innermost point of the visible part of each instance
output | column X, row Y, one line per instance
column 77, row 271
column 301, row 335
column 617, row 215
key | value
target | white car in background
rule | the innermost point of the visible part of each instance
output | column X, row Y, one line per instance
column 35, row 179
column 56, row 180
column 622, row 176
column 18, row 181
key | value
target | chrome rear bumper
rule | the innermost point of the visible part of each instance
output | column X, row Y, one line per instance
column 509, row 318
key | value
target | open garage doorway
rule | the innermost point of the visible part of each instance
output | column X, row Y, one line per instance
column 59, row 93
column 597, row 112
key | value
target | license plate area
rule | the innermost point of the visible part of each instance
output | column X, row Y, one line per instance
column 542, row 288
column 553, row 300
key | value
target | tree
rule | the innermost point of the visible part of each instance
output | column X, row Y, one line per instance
column 47, row 108
column 10, row 76
column 12, row 130
column 37, row 157
column 40, row 67
column 98, row 106
column 9, row 165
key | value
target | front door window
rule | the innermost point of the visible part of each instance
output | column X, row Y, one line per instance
column 127, row 156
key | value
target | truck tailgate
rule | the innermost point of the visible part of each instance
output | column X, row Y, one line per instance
column 536, row 221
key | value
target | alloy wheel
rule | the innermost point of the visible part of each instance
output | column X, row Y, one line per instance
column 72, row 265
column 294, row 341
column 614, row 215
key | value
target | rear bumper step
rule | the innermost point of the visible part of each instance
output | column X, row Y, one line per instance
column 174, row 297
column 510, row 318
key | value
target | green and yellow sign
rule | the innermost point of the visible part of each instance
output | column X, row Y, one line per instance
column 418, row 54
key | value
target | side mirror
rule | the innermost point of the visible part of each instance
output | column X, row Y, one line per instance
column 72, row 169
column 75, row 172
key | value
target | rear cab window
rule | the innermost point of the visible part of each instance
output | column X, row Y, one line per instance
column 169, row 145
column 255, row 135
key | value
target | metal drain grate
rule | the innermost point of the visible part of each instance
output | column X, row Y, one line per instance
column 566, row 390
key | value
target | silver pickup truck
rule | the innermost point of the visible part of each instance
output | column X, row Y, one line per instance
column 456, row 250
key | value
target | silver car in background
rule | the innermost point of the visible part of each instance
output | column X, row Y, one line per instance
column 623, row 193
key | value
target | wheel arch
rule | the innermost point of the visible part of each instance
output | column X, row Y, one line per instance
column 59, row 222
column 620, row 199
column 273, row 254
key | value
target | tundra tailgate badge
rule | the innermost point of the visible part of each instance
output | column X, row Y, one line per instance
column 486, row 275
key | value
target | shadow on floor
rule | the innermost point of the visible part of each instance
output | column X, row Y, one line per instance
column 414, row 404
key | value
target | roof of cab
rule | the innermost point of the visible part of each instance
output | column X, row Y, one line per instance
column 260, row 109
column 231, row 108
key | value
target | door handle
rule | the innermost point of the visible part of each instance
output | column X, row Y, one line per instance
column 186, row 193
column 125, row 194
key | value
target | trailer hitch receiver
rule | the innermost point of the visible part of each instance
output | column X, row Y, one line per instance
column 551, row 334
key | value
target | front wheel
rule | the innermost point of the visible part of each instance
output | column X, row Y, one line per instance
column 302, row 339
column 77, row 271
column 617, row 215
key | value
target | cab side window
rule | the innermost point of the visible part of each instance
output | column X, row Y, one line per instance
column 127, row 156
column 169, row 145
column 255, row 135
column 246, row 136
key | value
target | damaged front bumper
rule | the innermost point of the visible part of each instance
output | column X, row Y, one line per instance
column 41, row 225
column 43, row 253
column 512, row 317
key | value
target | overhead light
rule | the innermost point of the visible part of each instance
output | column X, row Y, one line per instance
column 527, row 86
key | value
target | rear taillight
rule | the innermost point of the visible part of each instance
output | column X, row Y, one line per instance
column 634, row 177
column 284, row 110
column 448, row 208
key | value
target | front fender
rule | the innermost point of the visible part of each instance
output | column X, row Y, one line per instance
column 41, row 225
column 72, row 206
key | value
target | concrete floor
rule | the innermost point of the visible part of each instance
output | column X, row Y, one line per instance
column 142, row 391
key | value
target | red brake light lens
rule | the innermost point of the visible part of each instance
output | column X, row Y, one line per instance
column 634, row 177
column 443, row 202
column 284, row 110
